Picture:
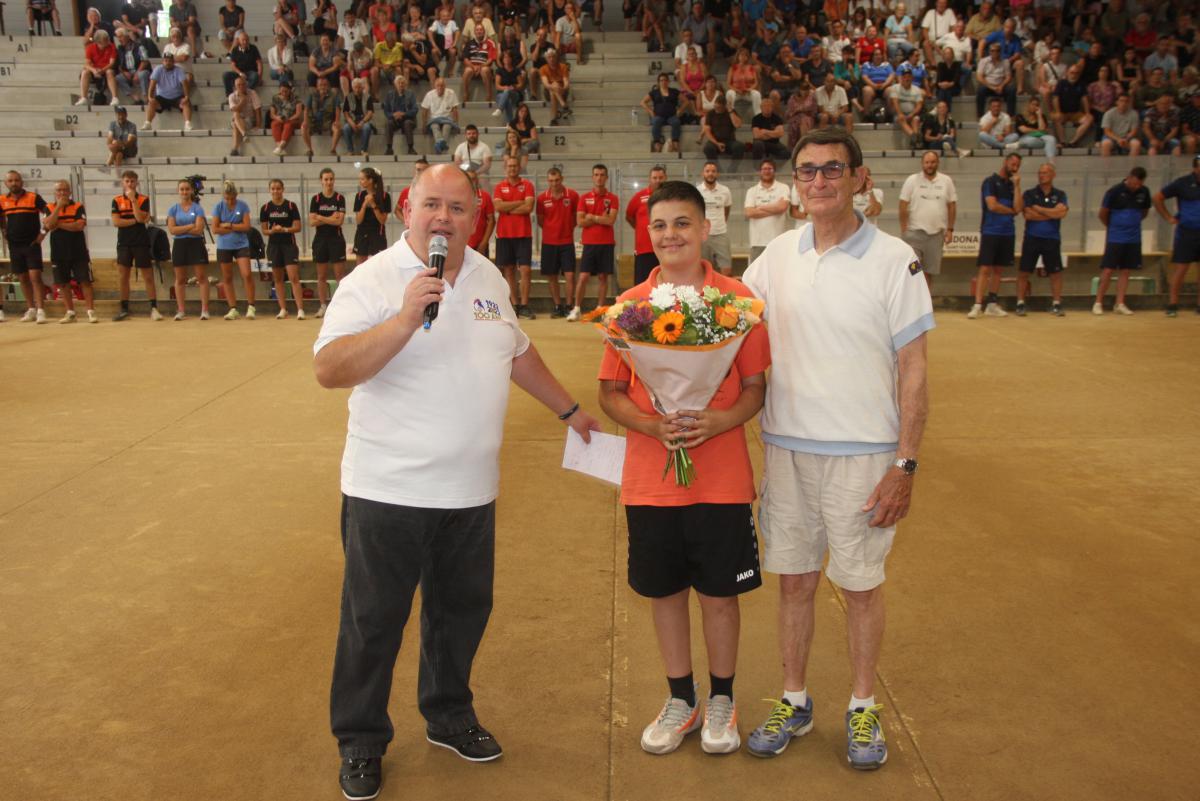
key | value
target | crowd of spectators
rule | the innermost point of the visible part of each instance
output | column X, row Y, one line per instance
column 1066, row 63
column 364, row 68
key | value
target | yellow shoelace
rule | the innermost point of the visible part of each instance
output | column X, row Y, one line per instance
column 863, row 723
column 779, row 715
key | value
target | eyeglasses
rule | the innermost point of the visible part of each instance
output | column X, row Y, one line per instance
column 832, row 170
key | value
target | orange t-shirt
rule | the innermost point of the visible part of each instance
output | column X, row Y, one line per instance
column 723, row 471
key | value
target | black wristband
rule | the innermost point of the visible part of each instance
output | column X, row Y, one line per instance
column 567, row 414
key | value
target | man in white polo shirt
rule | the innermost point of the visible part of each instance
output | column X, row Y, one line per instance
column 717, row 201
column 844, row 414
column 766, row 208
column 928, row 206
column 420, row 470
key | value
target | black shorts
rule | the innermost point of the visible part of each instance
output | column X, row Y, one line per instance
column 1187, row 246
column 25, row 257
column 368, row 243
column 329, row 250
column 281, row 254
column 597, row 259
column 78, row 270
column 1050, row 250
column 1121, row 256
column 643, row 264
column 230, row 255
column 188, row 251
column 130, row 149
column 710, row 547
column 557, row 259
column 168, row 103
column 515, row 251
column 134, row 256
column 996, row 250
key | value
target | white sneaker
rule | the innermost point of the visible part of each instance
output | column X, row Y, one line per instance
column 29, row 316
column 994, row 310
column 963, row 153
column 1, row 315
column 497, row 112
column 974, row 312
column 282, row 315
column 720, row 732
column 81, row 101
column 179, row 316
column 232, row 314
column 676, row 721
column 146, row 125
column 1121, row 308
column 114, row 102
column 1098, row 309
column 249, row 312
column 573, row 315
column 92, row 318
column 69, row 317
column 40, row 317
column 187, row 125
column 155, row 314
column 300, row 315
column 321, row 311
column 203, row 315
column 1011, row 147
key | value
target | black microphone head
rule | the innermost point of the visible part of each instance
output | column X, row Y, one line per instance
column 438, row 246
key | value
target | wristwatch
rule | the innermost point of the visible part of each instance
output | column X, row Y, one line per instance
column 909, row 466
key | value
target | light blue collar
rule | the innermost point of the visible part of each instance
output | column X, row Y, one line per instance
column 855, row 245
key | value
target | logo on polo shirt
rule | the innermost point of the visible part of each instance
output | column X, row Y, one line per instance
column 914, row 267
column 486, row 309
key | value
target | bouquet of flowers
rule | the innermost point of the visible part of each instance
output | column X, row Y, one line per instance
column 680, row 343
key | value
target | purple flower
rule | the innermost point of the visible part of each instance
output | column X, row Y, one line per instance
column 636, row 320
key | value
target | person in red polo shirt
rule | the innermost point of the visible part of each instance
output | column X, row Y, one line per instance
column 556, row 211
column 514, row 197
column 485, row 223
column 636, row 214
column 597, row 214
column 419, row 166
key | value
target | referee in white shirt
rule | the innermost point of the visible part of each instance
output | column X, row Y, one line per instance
column 928, row 206
column 845, row 410
column 420, row 471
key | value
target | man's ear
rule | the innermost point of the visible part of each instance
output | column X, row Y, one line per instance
column 859, row 178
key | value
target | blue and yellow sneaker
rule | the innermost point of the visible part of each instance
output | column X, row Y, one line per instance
column 866, row 748
column 785, row 722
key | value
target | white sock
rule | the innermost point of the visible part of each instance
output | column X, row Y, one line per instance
column 861, row 703
column 796, row 697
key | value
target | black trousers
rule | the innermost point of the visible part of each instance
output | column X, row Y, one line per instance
column 406, row 125
column 390, row 551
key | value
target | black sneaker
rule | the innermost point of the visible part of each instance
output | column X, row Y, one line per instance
column 1057, row 310
column 1172, row 310
column 1020, row 309
column 526, row 313
column 123, row 314
column 476, row 744
column 360, row 778
column 558, row 312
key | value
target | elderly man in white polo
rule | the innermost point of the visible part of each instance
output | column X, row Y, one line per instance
column 845, row 410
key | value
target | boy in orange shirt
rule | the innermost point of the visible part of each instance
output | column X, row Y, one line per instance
column 699, row 537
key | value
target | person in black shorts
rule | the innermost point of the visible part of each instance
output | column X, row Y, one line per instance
column 20, row 214
column 1122, row 210
column 371, row 207
column 326, row 212
column 130, row 213
column 1185, row 249
column 69, row 251
column 1002, row 201
column 1045, row 208
column 280, row 220
column 186, row 223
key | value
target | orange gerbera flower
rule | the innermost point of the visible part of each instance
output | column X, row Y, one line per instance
column 668, row 327
column 726, row 316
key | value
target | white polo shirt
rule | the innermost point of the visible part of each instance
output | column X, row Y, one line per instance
column 715, row 202
column 837, row 321
column 926, row 199
column 425, row 430
column 764, row 229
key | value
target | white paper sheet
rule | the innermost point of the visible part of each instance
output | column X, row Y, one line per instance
column 603, row 458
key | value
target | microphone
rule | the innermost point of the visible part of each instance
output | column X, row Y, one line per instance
column 437, row 260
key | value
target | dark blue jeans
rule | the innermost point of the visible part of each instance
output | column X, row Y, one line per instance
column 390, row 551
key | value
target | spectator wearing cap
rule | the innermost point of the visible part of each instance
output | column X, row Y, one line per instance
column 287, row 114
column 122, row 138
